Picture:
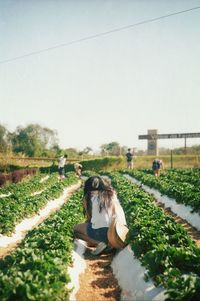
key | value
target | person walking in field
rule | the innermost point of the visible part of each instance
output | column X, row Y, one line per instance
column 129, row 159
column 157, row 164
column 78, row 169
column 61, row 166
column 101, row 205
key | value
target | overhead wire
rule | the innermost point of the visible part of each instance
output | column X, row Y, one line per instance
column 94, row 36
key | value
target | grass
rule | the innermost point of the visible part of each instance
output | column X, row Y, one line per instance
column 178, row 161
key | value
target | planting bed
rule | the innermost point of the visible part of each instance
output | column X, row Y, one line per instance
column 37, row 269
column 23, row 203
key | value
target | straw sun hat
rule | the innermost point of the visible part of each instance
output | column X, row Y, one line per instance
column 117, row 234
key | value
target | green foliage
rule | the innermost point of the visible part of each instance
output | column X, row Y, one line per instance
column 165, row 249
column 3, row 139
column 106, row 163
column 182, row 185
column 37, row 269
column 112, row 149
column 34, row 140
column 23, row 203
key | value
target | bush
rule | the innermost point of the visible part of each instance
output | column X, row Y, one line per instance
column 3, row 179
column 17, row 175
column 106, row 164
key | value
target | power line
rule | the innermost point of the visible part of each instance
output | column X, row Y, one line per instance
column 98, row 35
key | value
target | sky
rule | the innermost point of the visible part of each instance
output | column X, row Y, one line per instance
column 111, row 87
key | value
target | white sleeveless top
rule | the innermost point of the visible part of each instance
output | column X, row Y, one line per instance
column 104, row 218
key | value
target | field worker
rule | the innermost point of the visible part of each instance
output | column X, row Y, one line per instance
column 101, row 205
column 61, row 166
column 157, row 164
column 129, row 159
column 78, row 169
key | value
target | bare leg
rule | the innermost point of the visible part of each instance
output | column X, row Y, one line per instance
column 80, row 231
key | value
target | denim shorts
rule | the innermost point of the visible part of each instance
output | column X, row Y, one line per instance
column 99, row 234
column 61, row 171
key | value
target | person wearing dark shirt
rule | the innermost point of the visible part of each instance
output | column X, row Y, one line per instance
column 129, row 159
column 157, row 164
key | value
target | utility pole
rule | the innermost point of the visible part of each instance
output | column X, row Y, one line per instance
column 171, row 158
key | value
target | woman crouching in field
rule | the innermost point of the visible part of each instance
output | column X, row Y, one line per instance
column 101, row 205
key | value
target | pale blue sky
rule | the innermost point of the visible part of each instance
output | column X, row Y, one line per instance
column 111, row 88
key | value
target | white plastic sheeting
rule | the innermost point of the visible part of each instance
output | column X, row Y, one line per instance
column 5, row 195
column 180, row 209
column 128, row 271
column 44, row 178
column 130, row 276
column 79, row 266
column 8, row 194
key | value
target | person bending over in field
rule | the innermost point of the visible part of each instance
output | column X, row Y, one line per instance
column 156, row 166
column 101, row 205
column 78, row 169
column 61, row 166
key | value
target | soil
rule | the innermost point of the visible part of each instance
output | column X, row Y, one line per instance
column 98, row 282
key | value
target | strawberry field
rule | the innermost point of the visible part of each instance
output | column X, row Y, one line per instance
column 163, row 259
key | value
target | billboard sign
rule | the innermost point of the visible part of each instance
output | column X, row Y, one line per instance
column 169, row 136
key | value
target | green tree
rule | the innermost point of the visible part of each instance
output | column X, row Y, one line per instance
column 71, row 152
column 87, row 150
column 112, row 149
column 34, row 140
column 4, row 139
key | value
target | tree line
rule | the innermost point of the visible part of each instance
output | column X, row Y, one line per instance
column 34, row 140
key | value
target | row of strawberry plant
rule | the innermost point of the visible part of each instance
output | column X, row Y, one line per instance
column 191, row 176
column 37, row 269
column 188, row 172
column 34, row 184
column 183, row 193
column 166, row 250
column 12, row 211
column 89, row 173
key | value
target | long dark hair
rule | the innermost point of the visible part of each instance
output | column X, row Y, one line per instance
column 105, row 192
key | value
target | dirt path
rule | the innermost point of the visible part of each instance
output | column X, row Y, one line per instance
column 98, row 282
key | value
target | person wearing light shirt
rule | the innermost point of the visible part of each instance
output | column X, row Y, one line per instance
column 101, row 206
column 61, row 166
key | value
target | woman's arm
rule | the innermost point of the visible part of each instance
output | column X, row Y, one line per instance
column 118, row 211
